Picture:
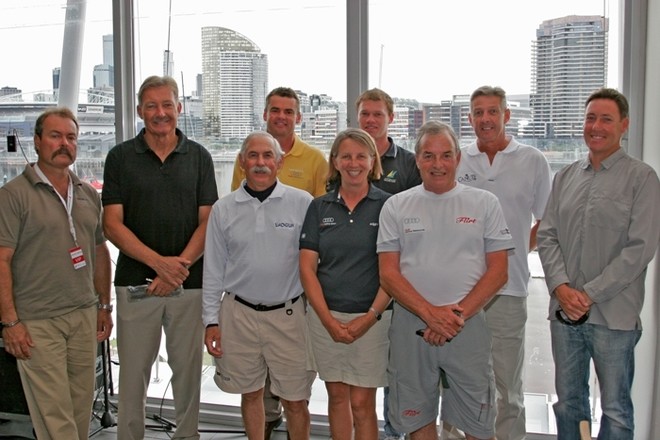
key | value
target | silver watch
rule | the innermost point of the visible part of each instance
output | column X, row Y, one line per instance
column 107, row 307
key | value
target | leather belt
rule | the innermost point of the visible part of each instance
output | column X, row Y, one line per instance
column 263, row 307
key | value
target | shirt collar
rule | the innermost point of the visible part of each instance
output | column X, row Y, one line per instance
column 512, row 146
column 243, row 196
column 142, row 147
column 297, row 148
column 392, row 149
column 608, row 162
column 34, row 179
column 373, row 194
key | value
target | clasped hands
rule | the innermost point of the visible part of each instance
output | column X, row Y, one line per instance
column 348, row 332
column 573, row 302
column 444, row 324
column 171, row 273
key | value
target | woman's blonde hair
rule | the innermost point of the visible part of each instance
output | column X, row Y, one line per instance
column 363, row 138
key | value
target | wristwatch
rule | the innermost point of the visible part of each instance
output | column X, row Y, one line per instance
column 107, row 307
column 378, row 315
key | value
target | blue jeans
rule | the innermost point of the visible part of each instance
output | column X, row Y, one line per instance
column 613, row 354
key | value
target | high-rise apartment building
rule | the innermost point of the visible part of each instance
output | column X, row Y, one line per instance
column 234, row 83
column 108, row 50
column 104, row 75
column 569, row 61
column 103, row 85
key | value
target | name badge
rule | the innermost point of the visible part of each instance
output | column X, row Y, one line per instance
column 77, row 258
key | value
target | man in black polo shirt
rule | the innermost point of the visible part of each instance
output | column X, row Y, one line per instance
column 375, row 110
column 158, row 191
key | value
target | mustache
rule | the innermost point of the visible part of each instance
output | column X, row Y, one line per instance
column 61, row 151
column 260, row 170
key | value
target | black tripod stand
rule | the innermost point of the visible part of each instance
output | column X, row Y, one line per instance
column 107, row 419
column 167, row 425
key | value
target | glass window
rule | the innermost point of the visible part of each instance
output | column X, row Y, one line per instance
column 430, row 56
column 226, row 57
column 34, row 33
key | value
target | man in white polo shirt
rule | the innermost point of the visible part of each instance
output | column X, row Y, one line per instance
column 258, row 328
column 519, row 175
column 442, row 256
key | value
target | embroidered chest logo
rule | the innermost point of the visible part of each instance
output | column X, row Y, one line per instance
column 328, row 221
column 412, row 224
column 296, row 174
column 391, row 176
column 465, row 178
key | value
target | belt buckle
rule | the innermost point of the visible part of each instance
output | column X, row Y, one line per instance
column 260, row 307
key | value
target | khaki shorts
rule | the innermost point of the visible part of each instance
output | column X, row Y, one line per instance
column 256, row 343
column 362, row 363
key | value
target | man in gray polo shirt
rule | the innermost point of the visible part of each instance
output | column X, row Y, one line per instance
column 252, row 306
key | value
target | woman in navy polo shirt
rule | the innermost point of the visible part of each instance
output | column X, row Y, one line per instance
column 348, row 322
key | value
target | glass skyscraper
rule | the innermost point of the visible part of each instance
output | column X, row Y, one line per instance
column 234, row 83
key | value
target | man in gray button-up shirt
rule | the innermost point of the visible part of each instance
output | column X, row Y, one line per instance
column 599, row 232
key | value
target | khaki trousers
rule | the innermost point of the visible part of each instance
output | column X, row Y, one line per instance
column 139, row 327
column 58, row 379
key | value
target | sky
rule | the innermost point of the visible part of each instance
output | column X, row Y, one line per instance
column 427, row 50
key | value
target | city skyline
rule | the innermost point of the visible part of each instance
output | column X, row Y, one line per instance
column 570, row 59
column 305, row 42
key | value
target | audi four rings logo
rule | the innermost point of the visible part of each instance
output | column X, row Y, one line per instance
column 328, row 220
column 412, row 220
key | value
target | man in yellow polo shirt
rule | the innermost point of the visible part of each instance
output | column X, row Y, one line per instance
column 304, row 167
